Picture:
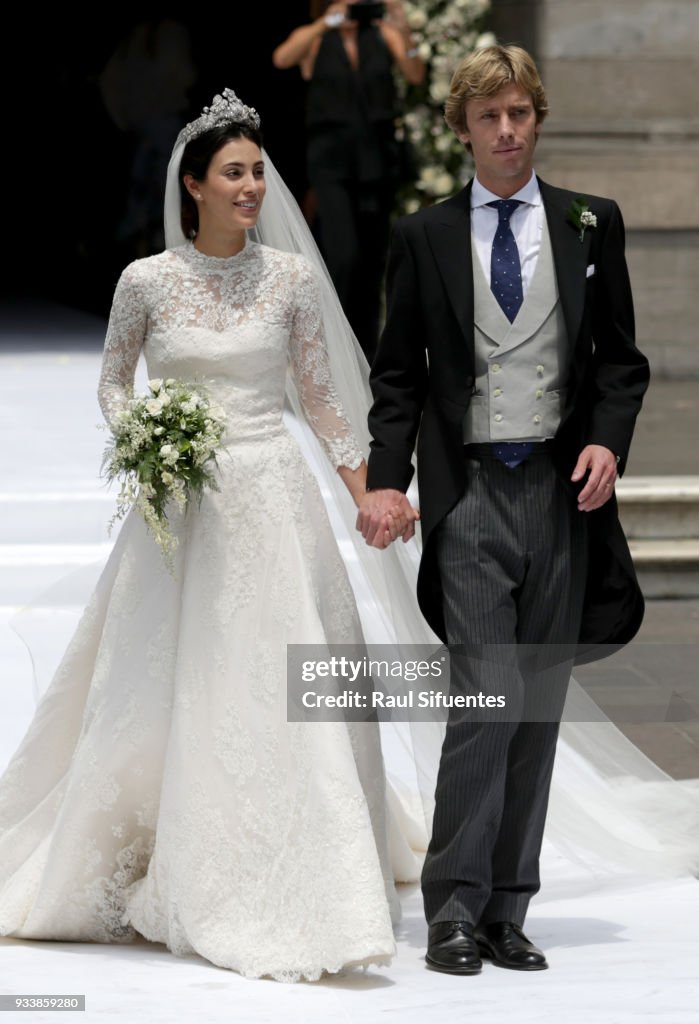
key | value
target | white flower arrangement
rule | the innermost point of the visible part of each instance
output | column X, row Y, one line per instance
column 581, row 216
column 164, row 449
column 445, row 31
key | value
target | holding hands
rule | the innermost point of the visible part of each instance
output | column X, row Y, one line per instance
column 384, row 515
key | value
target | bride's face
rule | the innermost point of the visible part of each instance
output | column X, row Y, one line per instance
column 234, row 187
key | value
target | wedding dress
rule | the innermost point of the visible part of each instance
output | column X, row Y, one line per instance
column 160, row 789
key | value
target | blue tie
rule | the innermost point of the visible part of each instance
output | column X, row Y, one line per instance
column 505, row 269
column 506, row 286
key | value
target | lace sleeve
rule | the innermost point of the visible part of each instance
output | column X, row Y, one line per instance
column 309, row 359
column 125, row 335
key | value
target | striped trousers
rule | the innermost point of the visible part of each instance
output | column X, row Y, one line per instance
column 511, row 557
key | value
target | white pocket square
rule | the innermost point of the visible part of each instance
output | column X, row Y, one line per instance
column 590, row 270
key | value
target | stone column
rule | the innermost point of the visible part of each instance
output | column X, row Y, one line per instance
column 518, row 21
column 621, row 77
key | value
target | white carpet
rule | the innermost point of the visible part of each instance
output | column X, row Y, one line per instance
column 624, row 954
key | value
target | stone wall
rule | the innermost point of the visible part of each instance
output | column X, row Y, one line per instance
column 621, row 77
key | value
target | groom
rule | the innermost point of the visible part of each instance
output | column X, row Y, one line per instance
column 508, row 352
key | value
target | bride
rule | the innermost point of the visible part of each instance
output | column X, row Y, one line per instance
column 160, row 789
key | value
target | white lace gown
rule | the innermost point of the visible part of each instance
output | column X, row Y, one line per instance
column 160, row 789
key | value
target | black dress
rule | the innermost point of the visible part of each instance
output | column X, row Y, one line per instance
column 353, row 167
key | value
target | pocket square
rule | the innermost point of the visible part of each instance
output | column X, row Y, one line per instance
column 590, row 270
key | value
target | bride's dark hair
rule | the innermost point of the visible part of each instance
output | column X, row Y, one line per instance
column 196, row 158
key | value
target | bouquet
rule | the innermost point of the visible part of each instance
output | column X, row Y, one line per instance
column 164, row 449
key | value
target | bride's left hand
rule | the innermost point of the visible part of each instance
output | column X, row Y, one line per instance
column 401, row 521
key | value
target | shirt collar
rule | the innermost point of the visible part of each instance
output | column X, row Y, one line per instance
column 529, row 193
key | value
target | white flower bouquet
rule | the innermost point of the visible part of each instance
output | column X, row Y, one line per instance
column 164, row 449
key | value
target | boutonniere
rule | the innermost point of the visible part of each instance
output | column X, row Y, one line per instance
column 581, row 216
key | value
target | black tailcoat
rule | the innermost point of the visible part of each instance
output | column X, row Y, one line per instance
column 423, row 377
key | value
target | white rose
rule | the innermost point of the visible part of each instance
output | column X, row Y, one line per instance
column 444, row 184
column 167, row 478
column 155, row 385
column 485, row 39
column 428, row 177
column 158, row 431
column 166, row 450
column 417, row 19
column 169, row 382
column 424, row 51
column 154, row 407
column 189, row 407
column 439, row 90
column 165, row 399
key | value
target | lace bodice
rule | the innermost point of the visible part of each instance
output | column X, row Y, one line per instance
column 237, row 324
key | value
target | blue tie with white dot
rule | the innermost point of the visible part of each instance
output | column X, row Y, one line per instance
column 506, row 286
column 505, row 268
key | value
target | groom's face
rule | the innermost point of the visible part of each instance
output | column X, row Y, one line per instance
column 502, row 131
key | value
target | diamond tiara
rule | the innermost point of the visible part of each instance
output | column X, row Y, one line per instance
column 224, row 109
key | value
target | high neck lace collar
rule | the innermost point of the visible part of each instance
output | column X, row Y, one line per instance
column 217, row 262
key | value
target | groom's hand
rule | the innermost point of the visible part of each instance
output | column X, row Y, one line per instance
column 600, row 463
column 384, row 515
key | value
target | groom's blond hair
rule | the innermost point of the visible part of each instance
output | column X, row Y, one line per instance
column 484, row 73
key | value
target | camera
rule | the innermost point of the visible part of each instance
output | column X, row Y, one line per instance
column 365, row 11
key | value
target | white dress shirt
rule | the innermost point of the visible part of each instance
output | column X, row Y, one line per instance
column 527, row 224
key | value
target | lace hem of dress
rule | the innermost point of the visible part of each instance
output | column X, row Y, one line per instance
column 252, row 970
column 315, row 973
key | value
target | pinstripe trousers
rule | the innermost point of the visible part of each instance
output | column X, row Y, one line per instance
column 511, row 557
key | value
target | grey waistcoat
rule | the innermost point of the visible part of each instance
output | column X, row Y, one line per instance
column 517, row 390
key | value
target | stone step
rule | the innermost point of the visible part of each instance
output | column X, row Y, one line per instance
column 659, row 507
column 667, row 568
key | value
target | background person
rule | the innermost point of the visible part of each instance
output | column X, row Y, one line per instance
column 354, row 160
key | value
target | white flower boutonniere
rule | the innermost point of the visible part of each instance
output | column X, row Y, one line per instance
column 581, row 216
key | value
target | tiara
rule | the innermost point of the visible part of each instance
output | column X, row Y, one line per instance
column 224, row 109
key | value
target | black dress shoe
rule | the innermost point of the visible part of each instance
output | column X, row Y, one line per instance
column 452, row 948
column 507, row 946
